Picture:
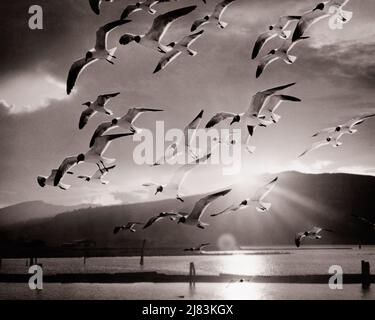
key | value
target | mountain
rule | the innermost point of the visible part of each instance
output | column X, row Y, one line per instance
column 299, row 202
column 27, row 211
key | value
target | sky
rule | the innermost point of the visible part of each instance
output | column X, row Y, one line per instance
column 334, row 76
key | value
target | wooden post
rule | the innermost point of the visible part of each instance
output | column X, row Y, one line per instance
column 192, row 274
column 143, row 252
column 366, row 278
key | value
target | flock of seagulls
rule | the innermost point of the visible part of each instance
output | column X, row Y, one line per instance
column 261, row 111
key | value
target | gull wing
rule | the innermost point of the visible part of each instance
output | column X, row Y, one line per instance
column 66, row 165
column 162, row 23
column 134, row 113
column 230, row 209
column 359, row 120
column 102, row 33
column 191, row 38
column 129, row 10
column 259, row 99
column 102, row 143
column 284, row 21
column 261, row 41
column 299, row 238
column 104, row 98
column 220, row 8
column 192, row 126
column 218, row 117
column 264, row 191
column 95, row 6
column 85, row 117
column 151, row 221
column 264, row 63
column 203, row 203
column 75, row 71
column 100, row 130
column 307, row 21
column 167, row 59
column 315, row 146
column 275, row 101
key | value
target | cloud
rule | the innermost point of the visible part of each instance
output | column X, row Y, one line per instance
column 30, row 92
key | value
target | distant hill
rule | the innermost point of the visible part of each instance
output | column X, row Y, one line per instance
column 27, row 211
column 299, row 201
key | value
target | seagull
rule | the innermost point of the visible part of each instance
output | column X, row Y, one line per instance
column 172, row 188
column 95, row 154
column 194, row 218
column 276, row 30
column 216, row 15
column 177, row 48
column 95, row 5
column 336, row 133
column 158, row 29
column 98, row 176
column 189, row 132
column 146, row 6
column 364, row 220
column 233, row 208
column 97, row 106
column 100, row 52
column 67, row 164
column 274, row 102
column 171, row 215
column 261, row 194
column 281, row 53
column 346, row 128
column 49, row 181
column 252, row 114
column 320, row 12
column 129, row 226
column 326, row 142
column 199, row 248
column 311, row 234
column 125, row 122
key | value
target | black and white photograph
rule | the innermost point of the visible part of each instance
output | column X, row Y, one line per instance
column 180, row 150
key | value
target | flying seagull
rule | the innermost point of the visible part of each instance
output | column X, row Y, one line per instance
column 311, row 234
column 172, row 188
column 95, row 5
column 274, row 102
column 276, row 30
column 281, row 53
column 67, row 164
column 100, row 52
column 98, row 176
column 177, row 48
column 320, row 12
column 125, row 122
column 172, row 150
column 194, row 218
column 49, row 181
column 97, row 106
column 129, row 226
column 233, row 208
column 215, row 16
column 171, row 215
column 365, row 220
column 101, row 144
column 147, row 6
column 262, row 193
column 152, row 39
column 334, row 134
column 326, row 142
column 199, row 248
column 252, row 114
column 346, row 128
